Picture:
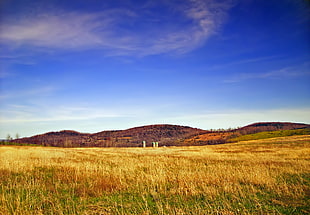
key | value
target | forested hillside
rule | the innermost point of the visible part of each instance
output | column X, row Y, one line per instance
column 166, row 135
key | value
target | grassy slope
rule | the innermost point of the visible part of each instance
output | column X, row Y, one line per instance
column 271, row 134
column 255, row 177
column 5, row 143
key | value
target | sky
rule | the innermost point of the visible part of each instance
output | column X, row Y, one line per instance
column 101, row 65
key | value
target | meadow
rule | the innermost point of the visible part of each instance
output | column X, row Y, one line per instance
column 270, row 176
column 271, row 134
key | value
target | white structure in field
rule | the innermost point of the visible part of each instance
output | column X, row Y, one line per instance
column 155, row 144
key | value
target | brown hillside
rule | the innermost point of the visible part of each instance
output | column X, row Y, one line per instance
column 270, row 126
column 164, row 134
column 65, row 138
column 209, row 138
column 151, row 133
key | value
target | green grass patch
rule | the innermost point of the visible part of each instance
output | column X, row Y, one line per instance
column 6, row 143
column 21, row 193
column 271, row 134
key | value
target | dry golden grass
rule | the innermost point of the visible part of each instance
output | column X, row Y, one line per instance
column 254, row 177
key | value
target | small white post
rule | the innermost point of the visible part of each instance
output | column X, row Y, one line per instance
column 144, row 144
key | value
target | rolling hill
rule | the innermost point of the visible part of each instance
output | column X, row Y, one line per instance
column 168, row 135
column 165, row 134
column 270, row 126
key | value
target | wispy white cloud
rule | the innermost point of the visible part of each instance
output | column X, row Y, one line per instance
column 43, row 113
column 26, row 93
column 5, row 74
column 236, row 118
column 28, row 120
column 112, row 30
column 286, row 72
column 68, row 30
column 244, row 61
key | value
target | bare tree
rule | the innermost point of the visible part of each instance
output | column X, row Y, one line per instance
column 8, row 137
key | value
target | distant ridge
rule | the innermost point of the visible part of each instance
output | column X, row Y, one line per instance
column 271, row 126
column 131, row 137
column 165, row 134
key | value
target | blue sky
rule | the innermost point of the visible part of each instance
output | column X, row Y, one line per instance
column 100, row 65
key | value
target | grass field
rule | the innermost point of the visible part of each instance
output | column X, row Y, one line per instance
column 270, row 176
column 271, row 134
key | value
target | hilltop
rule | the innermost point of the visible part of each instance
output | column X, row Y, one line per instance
column 271, row 126
column 163, row 133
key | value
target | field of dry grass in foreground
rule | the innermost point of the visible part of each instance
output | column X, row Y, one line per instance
column 269, row 176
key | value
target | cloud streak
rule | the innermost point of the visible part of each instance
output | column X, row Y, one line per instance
column 236, row 118
column 286, row 72
column 68, row 30
column 25, row 113
column 117, row 32
column 28, row 93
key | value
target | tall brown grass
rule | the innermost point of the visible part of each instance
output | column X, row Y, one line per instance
column 269, row 176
